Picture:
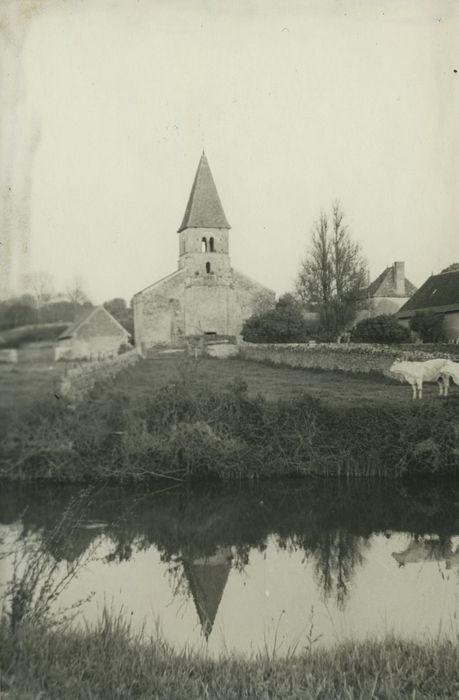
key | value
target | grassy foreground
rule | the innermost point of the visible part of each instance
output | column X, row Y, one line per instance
column 110, row 661
column 191, row 429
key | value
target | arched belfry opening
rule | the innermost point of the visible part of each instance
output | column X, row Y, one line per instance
column 211, row 244
column 204, row 244
column 208, row 270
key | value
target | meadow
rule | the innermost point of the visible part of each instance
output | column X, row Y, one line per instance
column 23, row 385
column 179, row 418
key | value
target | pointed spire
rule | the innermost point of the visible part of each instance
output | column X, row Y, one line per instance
column 207, row 579
column 204, row 209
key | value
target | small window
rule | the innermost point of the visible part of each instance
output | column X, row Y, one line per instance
column 208, row 268
column 211, row 244
column 204, row 245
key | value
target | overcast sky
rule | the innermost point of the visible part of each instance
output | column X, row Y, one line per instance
column 295, row 103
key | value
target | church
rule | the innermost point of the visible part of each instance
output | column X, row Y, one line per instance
column 205, row 296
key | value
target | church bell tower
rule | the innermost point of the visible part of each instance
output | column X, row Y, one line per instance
column 203, row 242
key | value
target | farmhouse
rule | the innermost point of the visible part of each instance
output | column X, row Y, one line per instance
column 94, row 335
column 387, row 293
column 440, row 294
column 205, row 296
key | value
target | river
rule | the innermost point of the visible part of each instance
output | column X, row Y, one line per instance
column 276, row 567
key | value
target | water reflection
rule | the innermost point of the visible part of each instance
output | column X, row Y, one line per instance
column 249, row 553
column 425, row 549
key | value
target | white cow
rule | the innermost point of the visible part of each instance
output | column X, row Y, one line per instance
column 415, row 373
column 450, row 371
column 453, row 560
column 425, row 550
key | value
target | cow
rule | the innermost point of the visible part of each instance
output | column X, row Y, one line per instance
column 449, row 371
column 415, row 373
column 453, row 560
column 425, row 550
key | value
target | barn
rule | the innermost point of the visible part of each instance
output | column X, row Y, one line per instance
column 95, row 335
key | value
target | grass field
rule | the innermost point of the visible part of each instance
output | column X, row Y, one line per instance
column 224, row 419
column 22, row 385
column 274, row 383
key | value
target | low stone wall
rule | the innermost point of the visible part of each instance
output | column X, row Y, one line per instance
column 222, row 350
column 9, row 355
column 80, row 380
column 333, row 356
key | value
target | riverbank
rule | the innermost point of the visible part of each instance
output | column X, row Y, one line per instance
column 191, row 428
column 109, row 660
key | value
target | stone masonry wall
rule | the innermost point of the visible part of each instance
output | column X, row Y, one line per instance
column 157, row 311
column 79, row 381
column 332, row 356
column 182, row 305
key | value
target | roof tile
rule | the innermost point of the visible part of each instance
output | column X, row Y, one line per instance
column 204, row 209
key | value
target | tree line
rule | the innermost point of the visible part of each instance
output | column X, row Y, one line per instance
column 40, row 306
column 330, row 288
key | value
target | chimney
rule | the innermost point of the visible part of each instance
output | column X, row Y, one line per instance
column 399, row 278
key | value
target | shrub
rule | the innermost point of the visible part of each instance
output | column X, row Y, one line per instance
column 189, row 430
column 428, row 325
column 283, row 324
column 380, row 329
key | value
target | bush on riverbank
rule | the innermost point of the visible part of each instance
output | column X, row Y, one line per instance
column 187, row 429
column 109, row 660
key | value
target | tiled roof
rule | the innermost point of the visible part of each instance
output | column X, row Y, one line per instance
column 72, row 330
column 204, row 209
column 439, row 292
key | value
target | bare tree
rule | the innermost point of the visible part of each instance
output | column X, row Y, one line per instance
column 332, row 272
column 315, row 276
column 40, row 285
column 77, row 296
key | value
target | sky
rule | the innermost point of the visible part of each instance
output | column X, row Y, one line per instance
column 296, row 104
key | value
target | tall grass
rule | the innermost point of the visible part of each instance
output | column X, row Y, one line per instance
column 187, row 429
column 38, row 579
column 110, row 660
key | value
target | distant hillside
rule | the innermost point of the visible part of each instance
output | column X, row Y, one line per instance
column 15, row 337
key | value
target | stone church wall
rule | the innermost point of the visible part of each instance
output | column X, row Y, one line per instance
column 176, row 307
column 158, row 315
column 208, row 308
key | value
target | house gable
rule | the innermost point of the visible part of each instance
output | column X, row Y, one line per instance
column 97, row 322
column 390, row 283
